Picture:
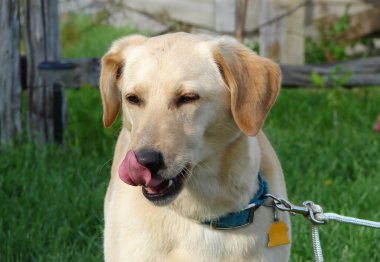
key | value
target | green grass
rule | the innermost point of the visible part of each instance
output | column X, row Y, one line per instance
column 52, row 197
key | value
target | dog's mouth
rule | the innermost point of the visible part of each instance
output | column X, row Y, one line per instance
column 166, row 189
column 155, row 188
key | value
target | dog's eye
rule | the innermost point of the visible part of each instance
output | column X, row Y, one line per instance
column 133, row 99
column 186, row 99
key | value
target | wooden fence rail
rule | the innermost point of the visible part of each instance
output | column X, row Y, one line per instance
column 364, row 72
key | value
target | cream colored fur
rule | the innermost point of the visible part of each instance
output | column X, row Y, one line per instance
column 236, row 89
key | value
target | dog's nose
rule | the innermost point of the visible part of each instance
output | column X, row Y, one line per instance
column 151, row 159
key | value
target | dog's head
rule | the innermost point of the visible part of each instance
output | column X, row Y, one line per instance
column 184, row 98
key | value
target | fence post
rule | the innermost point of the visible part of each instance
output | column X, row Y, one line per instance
column 41, row 44
column 282, row 30
column 241, row 10
column 10, row 86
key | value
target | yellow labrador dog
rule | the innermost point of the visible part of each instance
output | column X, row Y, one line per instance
column 191, row 165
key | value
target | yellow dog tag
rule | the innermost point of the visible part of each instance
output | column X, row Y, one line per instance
column 278, row 234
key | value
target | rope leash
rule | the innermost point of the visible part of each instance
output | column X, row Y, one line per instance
column 314, row 213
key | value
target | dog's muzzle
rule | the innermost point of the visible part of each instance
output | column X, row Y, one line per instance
column 136, row 170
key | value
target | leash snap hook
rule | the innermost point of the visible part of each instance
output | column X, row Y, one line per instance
column 285, row 205
column 280, row 203
column 309, row 210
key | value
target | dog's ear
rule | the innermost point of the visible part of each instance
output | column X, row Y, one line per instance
column 253, row 81
column 111, row 68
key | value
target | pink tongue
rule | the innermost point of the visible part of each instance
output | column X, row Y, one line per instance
column 135, row 174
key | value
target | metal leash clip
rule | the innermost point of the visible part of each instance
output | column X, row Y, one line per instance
column 309, row 210
column 314, row 213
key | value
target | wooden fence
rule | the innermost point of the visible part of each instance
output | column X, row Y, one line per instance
column 281, row 25
column 41, row 39
column 10, row 86
column 362, row 72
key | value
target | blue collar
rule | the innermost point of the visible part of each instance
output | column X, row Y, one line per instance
column 244, row 217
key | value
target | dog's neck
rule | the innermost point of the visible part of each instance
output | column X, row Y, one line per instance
column 225, row 181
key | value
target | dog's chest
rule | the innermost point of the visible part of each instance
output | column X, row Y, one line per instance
column 168, row 238
column 189, row 246
column 209, row 245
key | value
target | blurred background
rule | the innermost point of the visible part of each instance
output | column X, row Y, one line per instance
column 55, row 155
